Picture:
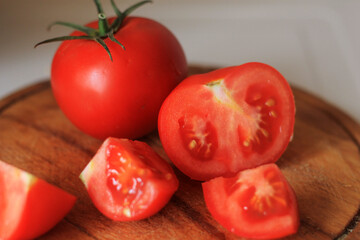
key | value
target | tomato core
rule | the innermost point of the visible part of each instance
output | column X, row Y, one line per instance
column 260, row 198
column 125, row 176
column 256, row 203
column 127, row 180
column 265, row 103
column 130, row 167
column 198, row 136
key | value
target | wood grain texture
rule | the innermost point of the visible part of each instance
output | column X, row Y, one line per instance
column 322, row 163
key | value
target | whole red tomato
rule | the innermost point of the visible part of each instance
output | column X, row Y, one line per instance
column 119, row 98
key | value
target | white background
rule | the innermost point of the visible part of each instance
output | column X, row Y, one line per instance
column 314, row 44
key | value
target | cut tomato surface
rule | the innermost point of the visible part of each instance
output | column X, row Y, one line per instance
column 29, row 206
column 256, row 203
column 127, row 180
column 231, row 119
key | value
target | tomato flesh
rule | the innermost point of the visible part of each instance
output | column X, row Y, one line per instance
column 127, row 180
column 29, row 206
column 261, row 197
column 256, row 203
column 198, row 136
column 221, row 122
column 268, row 107
column 124, row 177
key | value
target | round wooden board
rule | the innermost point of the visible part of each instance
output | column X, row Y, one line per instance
column 322, row 164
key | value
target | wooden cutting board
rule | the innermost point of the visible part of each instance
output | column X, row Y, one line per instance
column 322, row 164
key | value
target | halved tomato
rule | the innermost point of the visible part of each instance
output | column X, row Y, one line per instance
column 29, row 206
column 256, row 203
column 221, row 122
column 127, row 180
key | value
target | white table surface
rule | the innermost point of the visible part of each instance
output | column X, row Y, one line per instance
column 315, row 44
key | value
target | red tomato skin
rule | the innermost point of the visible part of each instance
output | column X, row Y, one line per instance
column 191, row 97
column 44, row 205
column 53, row 204
column 215, row 198
column 120, row 98
column 95, row 179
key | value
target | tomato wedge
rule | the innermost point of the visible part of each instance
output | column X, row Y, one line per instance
column 127, row 180
column 29, row 206
column 221, row 122
column 256, row 203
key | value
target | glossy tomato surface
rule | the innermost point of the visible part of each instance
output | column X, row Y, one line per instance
column 127, row 180
column 235, row 118
column 29, row 206
column 120, row 98
column 256, row 203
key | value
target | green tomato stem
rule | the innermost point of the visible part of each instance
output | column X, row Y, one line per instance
column 103, row 25
column 104, row 29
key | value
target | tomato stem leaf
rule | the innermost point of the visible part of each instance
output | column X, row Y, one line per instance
column 112, row 38
column 121, row 15
column 135, row 6
column 64, row 38
column 98, row 7
column 116, row 9
column 117, row 23
column 103, row 31
column 88, row 30
column 103, row 44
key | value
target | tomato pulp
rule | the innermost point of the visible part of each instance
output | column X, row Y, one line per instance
column 119, row 98
column 29, row 206
column 221, row 122
column 127, row 180
column 256, row 203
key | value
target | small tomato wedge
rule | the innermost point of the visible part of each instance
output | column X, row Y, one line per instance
column 218, row 123
column 256, row 203
column 29, row 206
column 127, row 180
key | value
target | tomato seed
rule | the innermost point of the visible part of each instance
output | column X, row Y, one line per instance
column 127, row 212
column 141, row 171
column 125, row 191
column 246, row 143
column 270, row 102
column 257, row 97
column 192, row 144
column 264, row 132
column 273, row 114
column 168, row 176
